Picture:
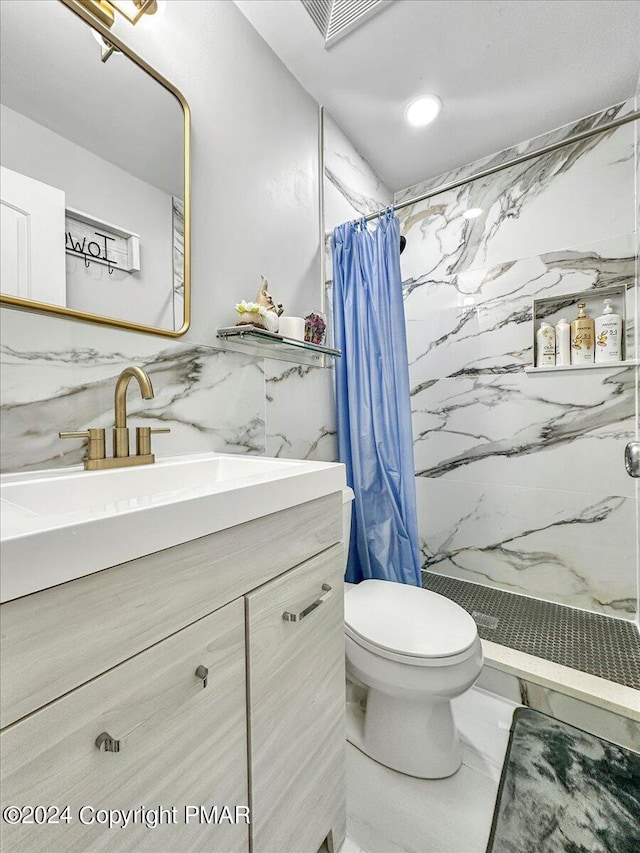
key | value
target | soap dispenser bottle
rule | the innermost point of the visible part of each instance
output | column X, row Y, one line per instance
column 582, row 333
column 608, row 335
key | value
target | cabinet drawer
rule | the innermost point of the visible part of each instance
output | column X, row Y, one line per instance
column 297, row 707
column 57, row 639
column 180, row 744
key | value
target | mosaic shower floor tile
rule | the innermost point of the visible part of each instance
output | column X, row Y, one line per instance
column 600, row 645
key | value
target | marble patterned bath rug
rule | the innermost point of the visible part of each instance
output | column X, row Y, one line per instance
column 565, row 791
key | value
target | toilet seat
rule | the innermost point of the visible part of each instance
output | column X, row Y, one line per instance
column 409, row 624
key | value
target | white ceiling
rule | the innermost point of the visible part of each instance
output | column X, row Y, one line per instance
column 506, row 70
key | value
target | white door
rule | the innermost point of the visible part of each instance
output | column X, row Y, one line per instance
column 32, row 235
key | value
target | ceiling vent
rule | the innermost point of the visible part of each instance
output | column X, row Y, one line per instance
column 336, row 18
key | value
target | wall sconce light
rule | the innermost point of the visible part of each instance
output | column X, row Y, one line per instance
column 105, row 12
column 131, row 10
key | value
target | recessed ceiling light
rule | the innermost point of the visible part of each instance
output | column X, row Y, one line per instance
column 472, row 213
column 423, row 110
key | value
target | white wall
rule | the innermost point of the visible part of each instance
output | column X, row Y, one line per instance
column 254, row 184
column 105, row 191
column 254, row 211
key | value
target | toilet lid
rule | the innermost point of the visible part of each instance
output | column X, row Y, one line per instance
column 408, row 620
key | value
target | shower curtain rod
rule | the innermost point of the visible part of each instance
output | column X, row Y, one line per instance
column 484, row 173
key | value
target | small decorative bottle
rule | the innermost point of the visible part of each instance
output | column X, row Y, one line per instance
column 545, row 345
column 608, row 335
column 563, row 343
column 582, row 334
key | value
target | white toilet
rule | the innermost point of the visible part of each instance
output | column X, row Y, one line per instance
column 412, row 651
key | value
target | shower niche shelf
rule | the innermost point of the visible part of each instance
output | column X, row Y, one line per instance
column 629, row 362
column 291, row 346
column 553, row 308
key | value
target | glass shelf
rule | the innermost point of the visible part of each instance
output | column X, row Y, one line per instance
column 264, row 337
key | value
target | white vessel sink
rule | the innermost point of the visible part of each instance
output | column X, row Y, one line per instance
column 60, row 525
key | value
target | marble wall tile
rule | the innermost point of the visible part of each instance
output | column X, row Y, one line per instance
column 61, row 375
column 580, row 194
column 573, row 548
column 589, row 718
column 352, row 187
column 520, row 477
column 211, row 400
column 300, row 412
column 528, row 146
column 469, row 337
column 528, row 430
column 513, row 285
column 585, row 715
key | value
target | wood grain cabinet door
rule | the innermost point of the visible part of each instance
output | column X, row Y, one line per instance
column 297, row 708
column 179, row 744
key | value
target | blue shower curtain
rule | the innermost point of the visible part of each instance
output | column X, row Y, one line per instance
column 373, row 404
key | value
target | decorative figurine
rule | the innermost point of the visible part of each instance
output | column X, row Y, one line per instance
column 263, row 313
column 272, row 317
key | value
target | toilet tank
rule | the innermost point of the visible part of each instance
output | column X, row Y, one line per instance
column 347, row 497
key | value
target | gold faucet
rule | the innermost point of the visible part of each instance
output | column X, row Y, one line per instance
column 96, row 458
column 121, row 430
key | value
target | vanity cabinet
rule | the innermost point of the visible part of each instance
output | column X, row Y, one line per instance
column 179, row 744
column 296, row 707
column 125, row 653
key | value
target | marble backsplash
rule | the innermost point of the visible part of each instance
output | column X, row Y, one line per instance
column 519, row 476
column 212, row 400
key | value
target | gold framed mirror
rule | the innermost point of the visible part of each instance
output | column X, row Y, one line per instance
column 95, row 184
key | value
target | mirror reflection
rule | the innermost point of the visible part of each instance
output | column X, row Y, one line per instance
column 93, row 175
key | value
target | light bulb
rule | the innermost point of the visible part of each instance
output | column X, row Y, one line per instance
column 423, row 110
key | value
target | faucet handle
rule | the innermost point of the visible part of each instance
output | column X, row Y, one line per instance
column 143, row 439
column 96, row 442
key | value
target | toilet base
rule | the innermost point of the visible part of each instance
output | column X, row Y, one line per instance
column 415, row 737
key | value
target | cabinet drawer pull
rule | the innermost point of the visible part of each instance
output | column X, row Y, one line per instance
column 297, row 617
column 110, row 744
column 203, row 673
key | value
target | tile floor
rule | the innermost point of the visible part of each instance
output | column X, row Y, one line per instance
column 388, row 812
column 603, row 646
